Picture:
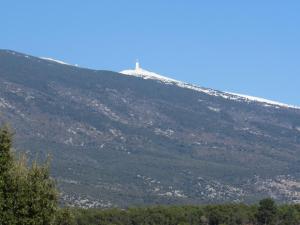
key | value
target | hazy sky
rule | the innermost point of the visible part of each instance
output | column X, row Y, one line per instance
column 250, row 47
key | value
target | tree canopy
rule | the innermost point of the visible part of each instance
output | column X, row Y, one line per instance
column 27, row 193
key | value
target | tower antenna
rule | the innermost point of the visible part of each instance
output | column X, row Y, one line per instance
column 137, row 65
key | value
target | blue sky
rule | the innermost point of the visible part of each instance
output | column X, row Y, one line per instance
column 249, row 47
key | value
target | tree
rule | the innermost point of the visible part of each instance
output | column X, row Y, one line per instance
column 27, row 193
column 6, row 166
column 288, row 215
column 64, row 217
column 267, row 212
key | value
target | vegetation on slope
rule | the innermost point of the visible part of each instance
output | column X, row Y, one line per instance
column 266, row 213
column 28, row 196
column 27, row 193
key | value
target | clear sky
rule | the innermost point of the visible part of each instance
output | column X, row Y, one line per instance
column 250, row 47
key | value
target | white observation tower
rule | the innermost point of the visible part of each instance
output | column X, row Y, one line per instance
column 137, row 65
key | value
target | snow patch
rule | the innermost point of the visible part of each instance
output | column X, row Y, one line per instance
column 148, row 75
column 55, row 60
column 145, row 74
column 268, row 102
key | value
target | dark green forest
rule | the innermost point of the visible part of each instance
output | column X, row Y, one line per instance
column 28, row 196
column 266, row 212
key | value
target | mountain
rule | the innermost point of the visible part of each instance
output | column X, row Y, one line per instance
column 139, row 72
column 139, row 138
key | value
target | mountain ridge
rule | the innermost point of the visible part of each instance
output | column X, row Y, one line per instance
column 145, row 74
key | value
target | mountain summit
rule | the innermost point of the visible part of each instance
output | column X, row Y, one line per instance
column 139, row 138
column 145, row 74
column 139, row 72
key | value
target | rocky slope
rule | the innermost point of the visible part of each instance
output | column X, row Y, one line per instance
column 119, row 140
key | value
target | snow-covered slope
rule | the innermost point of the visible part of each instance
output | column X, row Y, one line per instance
column 263, row 100
column 58, row 61
column 145, row 74
column 55, row 60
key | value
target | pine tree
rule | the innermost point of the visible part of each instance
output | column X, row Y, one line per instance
column 6, row 165
column 27, row 193
column 267, row 212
